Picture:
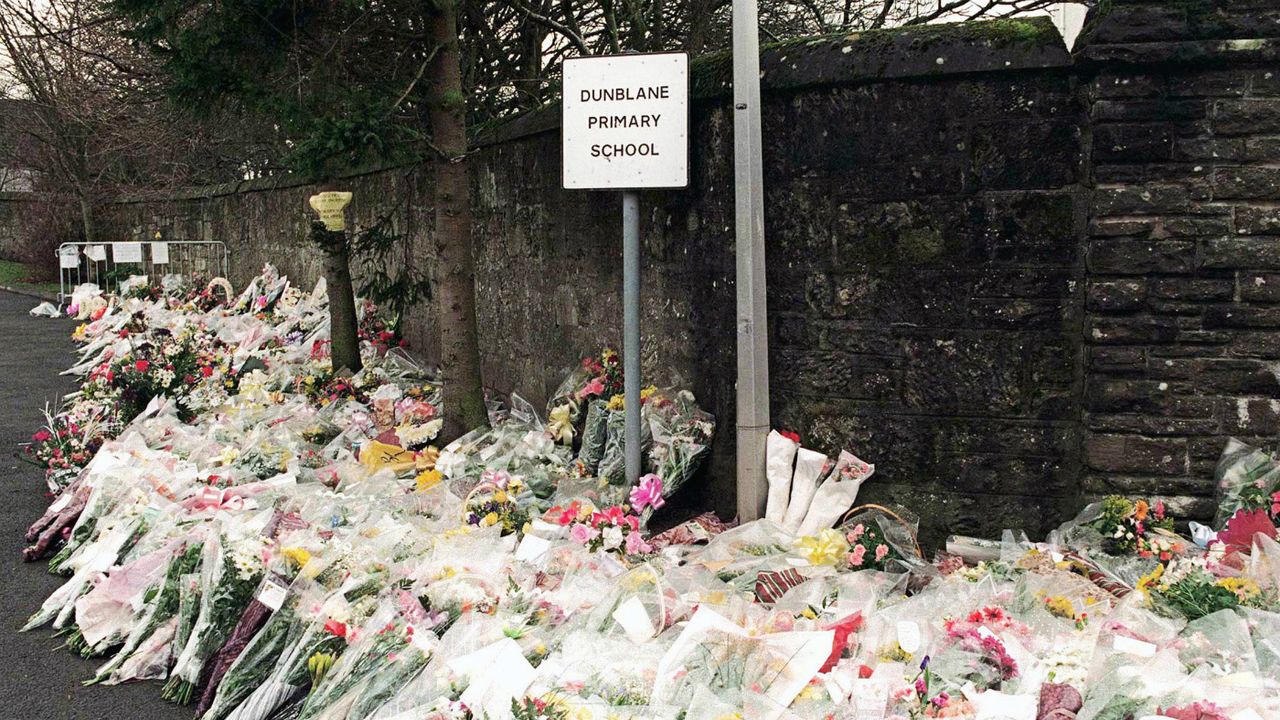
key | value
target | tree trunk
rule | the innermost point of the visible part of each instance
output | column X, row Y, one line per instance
column 464, row 407
column 343, row 331
column 86, row 217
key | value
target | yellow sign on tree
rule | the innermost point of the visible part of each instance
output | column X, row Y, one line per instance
column 330, row 206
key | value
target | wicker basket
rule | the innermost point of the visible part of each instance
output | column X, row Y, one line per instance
column 915, row 540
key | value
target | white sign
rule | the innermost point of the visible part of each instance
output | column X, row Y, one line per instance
column 159, row 253
column 69, row 257
column 127, row 252
column 626, row 121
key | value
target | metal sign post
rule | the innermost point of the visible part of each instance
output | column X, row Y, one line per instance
column 753, row 330
column 631, row 329
column 626, row 127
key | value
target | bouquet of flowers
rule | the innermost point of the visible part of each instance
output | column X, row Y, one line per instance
column 1139, row 527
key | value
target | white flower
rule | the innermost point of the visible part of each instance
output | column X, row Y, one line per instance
column 612, row 537
column 451, row 463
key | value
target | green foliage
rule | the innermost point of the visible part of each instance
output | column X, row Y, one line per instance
column 341, row 82
column 388, row 276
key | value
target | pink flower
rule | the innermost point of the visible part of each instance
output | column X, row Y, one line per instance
column 583, row 534
column 594, row 386
column 857, row 532
column 857, row 556
column 648, row 493
column 141, row 366
column 636, row 544
column 881, row 551
column 612, row 516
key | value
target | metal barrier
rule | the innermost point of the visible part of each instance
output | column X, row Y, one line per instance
column 107, row 265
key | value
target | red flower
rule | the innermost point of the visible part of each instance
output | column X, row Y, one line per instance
column 41, row 436
column 333, row 627
column 141, row 366
column 1240, row 529
column 793, row 437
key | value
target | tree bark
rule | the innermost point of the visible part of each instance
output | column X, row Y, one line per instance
column 343, row 330
column 86, row 218
column 464, row 407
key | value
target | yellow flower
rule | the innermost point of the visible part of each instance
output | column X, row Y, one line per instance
column 809, row 613
column 560, row 423
column 617, row 402
column 490, row 520
column 296, row 555
column 1244, row 588
column 427, row 480
column 1148, row 581
column 826, row 548
column 500, row 496
column 648, row 392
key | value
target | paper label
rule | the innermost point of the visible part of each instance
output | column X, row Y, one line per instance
column 62, row 502
column 69, row 258
column 127, row 252
column 159, row 253
column 531, row 548
column 330, row 206
column 272, row 595
column 634, row 620
column 96, row 253
column 869, row 699
column 908, row 636
column 1133, row 647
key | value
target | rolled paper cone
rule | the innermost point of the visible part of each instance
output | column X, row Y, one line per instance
column 835, row 496
column 804, row 483
column 780, row 453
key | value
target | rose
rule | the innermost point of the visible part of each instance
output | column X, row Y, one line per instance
column 636, row 545
column 857, row 556
column 141, row 366
column 583, row 534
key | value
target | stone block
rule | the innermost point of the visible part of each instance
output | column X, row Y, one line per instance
column 1135, row 454
column 1139, row 257
column 1247, row 117
column 1247, row 183
column 1260, row 253
column 1131, row 331
column 1258, row 220
column 1241, row 317
column 1117, row 295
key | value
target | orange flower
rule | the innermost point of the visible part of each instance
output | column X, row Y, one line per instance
column 1140, row 510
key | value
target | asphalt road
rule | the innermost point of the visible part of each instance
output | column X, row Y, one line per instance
column 38, row 679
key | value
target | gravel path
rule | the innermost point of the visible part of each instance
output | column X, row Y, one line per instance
column 40, row 680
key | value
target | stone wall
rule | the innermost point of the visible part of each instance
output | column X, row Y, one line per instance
column 982, row 266
column 1183, row 242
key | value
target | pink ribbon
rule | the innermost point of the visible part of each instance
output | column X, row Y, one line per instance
column 213, row 499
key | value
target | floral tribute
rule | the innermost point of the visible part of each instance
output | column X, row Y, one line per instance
column 263, row 538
